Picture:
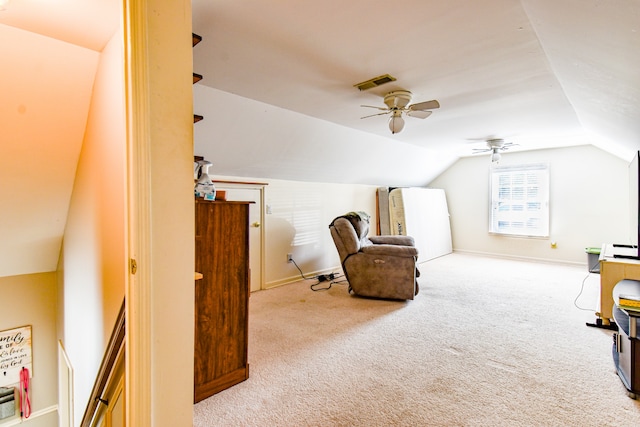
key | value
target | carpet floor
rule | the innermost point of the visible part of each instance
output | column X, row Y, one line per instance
column 486, row 342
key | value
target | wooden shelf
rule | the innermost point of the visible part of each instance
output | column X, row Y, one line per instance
column 196, row 77
column 196, row 39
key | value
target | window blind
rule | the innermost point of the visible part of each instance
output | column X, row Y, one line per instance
column 520, row 200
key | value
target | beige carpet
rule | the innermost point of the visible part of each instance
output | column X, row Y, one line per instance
column 487, row 342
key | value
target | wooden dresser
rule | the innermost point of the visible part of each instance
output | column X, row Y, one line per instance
column 221, row 296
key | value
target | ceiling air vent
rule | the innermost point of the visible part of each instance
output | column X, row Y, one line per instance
column 375, row 82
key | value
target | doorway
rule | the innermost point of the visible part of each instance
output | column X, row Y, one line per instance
column 250, row 192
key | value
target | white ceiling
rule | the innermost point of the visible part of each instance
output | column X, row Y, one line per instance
column 279, row 101
column 540, row 73
column 85, row 23
column 50, row 51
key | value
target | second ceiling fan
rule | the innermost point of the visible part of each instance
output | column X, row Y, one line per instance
column 398, row 104
column 494, row 146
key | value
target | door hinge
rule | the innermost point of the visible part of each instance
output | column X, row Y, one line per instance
column 133, row 266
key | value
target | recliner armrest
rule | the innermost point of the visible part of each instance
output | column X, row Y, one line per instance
column 390, row 250
column 393, row 240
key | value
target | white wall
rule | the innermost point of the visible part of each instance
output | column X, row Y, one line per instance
column 92, row 267
column 296, row 221
column 30, row 299
column 244, row 137
column 589, row 207
column 299, row 224
column 46, row 90
column 589, row 193
column 588, row 204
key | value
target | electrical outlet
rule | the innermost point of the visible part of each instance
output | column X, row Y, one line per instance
column 289, row 257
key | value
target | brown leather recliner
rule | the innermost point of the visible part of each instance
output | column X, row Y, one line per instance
column 376, row 266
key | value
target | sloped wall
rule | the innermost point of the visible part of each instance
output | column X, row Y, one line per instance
column 92, row 268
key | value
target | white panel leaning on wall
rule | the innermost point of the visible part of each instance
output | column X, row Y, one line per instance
column 421, row 213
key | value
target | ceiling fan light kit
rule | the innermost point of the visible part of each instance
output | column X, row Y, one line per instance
column 396, row 122
column 495, row 156
column 494, row 145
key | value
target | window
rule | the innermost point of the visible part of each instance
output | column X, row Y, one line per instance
column 520, row 200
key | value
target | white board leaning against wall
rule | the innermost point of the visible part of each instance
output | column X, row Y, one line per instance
column 421, row 213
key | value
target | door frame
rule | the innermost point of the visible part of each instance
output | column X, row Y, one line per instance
column 260, row 186
column 138, row 358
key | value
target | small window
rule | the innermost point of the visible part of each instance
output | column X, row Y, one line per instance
column 520, row 200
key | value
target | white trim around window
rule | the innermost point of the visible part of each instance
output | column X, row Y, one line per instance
column 519, row 204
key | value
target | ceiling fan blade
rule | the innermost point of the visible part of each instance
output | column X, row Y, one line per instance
column 427, row 105
column 377, row 108
column 421, row 114
column 378, row 114
column 481, row 150
column 504, row 147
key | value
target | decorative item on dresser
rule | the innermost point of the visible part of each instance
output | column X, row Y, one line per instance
column 221, row 296
column 204, row 185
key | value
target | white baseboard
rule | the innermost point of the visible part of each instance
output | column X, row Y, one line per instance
column 521, row 258
column 298, row 278
column 17, row 420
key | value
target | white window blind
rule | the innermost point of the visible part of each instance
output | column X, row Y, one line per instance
column 520, row 200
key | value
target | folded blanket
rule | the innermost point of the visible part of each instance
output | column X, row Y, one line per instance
column 360, row 215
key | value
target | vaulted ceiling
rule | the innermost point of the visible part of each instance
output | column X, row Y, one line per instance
column 540, row 73
column 50, row 51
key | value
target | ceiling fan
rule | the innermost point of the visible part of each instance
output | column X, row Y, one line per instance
column 398, row 103
column 495, row 146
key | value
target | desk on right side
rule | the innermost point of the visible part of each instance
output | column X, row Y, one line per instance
column 626, row 345
column 613, row 270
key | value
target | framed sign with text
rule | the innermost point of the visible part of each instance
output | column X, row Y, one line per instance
column 15, row 354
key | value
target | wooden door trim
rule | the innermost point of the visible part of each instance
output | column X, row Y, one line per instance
column 138, row 360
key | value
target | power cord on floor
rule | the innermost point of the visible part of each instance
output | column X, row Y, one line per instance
column 575, row 301
column 301, row 273
column 328, row 278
